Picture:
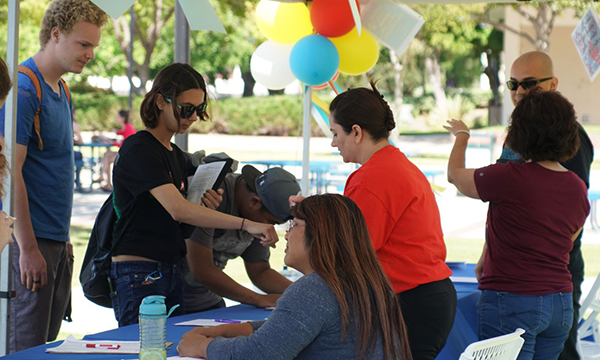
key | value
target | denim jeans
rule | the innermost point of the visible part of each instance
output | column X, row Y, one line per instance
column 131, row 284
column 546, row 320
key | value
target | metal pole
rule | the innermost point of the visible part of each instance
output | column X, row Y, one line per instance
column 10, row 135
column 130, row 67
column 182, row 55
column 306, row 141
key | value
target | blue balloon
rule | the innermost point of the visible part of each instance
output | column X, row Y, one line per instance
column 314, row 60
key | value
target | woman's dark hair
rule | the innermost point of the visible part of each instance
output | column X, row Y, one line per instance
column 170, row 82
column 341, row 252
column 365, row 108
column 5, row 83
column 125, row 115
column 544, row 127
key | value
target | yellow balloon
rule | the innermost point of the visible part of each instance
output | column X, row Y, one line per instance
column 284, row 23
column 358, row 54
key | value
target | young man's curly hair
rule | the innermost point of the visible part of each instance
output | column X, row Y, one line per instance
column 65, row 14
column 544, row 127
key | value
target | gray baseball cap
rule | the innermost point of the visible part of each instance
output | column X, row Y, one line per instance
column 273, row 187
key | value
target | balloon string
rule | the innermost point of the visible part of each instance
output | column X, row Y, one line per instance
column 333, row 87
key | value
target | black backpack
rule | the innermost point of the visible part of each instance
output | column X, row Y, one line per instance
column 95, row 270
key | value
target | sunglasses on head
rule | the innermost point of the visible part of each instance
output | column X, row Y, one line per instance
column 513, row 85
column 188, row 110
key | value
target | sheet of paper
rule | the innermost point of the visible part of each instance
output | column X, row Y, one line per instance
column 392, row 24
column 74, row 346
column 114, row 8
column 182, row 358
column 586, row 37
column 201, row 15
column 205, row 177
column 464, row 279
column 205, row 322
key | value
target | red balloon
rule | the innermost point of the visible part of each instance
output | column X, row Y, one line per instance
column 332, row 18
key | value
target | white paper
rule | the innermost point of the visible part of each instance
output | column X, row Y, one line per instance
column 73, row 346
column 201, row 15
column 114, row 8
column 586, row 37
column 205, row 177
column 206, row 322
column 182, row 358
column 464, row 279
column 392, row 24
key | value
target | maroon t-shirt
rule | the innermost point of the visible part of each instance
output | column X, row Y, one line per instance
column 532, row 217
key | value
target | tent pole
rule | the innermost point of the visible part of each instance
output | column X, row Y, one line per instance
column 10, row 132
column 306, row 141
column 182, row 55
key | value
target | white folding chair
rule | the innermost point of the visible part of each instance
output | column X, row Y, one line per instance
column 588, row 334
column 505, row 347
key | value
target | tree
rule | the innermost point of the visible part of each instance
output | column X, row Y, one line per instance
column 150, row 17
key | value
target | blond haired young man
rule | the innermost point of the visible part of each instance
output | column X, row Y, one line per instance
column 43, row 174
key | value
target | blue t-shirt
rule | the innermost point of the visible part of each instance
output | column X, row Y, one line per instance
column 48, row 173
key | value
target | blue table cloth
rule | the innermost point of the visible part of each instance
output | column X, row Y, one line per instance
column 464, row 331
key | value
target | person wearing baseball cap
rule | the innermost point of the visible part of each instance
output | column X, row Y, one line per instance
column 254, row 195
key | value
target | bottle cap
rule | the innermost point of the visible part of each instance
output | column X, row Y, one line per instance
column 153, row 305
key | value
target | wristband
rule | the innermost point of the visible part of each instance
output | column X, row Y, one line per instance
column 242, row 227
column 462, row 131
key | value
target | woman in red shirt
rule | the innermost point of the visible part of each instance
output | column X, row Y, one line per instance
column 108, row 159
column 401, row 214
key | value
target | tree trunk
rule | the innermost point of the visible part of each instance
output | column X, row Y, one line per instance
column 435, row 79
column 249, row 83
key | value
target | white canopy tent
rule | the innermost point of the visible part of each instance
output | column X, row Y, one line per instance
column 182, row 55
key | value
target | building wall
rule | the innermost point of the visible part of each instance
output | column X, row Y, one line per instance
column 574, row 81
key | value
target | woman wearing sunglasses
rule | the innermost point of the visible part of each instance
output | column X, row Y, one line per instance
column 536, row 211
column 342, row 308
column 150, row 184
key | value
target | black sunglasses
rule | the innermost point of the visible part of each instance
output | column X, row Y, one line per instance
column 188, row 110
column 513, row 85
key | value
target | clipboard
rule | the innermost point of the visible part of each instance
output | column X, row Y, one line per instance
column 208, row 176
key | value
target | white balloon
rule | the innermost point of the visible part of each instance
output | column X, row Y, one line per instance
column 270, row 65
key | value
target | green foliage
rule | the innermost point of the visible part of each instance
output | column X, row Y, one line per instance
column 265, row 115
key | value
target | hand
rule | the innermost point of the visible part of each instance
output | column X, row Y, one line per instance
column 295, row 199
column 265, row 232
column 70, row 253
column 479, row 268
column 193, row 344
column 226, row 330
column 33, row 269
column 268, row 300
column 6, row 229
column 456, row 127
column 212, row 199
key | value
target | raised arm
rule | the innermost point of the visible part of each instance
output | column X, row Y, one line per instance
column 458, row 174
column 191, row 213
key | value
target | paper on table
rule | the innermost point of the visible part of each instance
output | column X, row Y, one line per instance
column 205, row 322
column 182, row 358
column 74, row 346
column 464, row 279
column 205, row 177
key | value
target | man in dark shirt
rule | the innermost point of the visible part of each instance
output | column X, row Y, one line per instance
column 534, row 70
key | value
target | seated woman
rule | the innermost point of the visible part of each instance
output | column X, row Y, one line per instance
column 343, row 308
column 536, row 211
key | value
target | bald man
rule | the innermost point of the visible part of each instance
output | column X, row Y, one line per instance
column 534, row 70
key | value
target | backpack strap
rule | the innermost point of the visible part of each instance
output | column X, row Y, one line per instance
column 38, row 89
column 36, row 118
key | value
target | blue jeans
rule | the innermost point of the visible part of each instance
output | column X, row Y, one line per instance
column 131, row 284
column 546, row 320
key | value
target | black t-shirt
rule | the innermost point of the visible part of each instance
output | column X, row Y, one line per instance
column 143, row 164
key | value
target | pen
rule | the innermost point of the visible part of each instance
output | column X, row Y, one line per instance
column 228, row 321
column 103, row 346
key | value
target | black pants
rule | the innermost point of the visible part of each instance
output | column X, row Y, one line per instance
column 428, row 312
column 576, row 269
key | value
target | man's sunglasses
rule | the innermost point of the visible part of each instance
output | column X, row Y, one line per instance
column 513, row 85
column 187, row 111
